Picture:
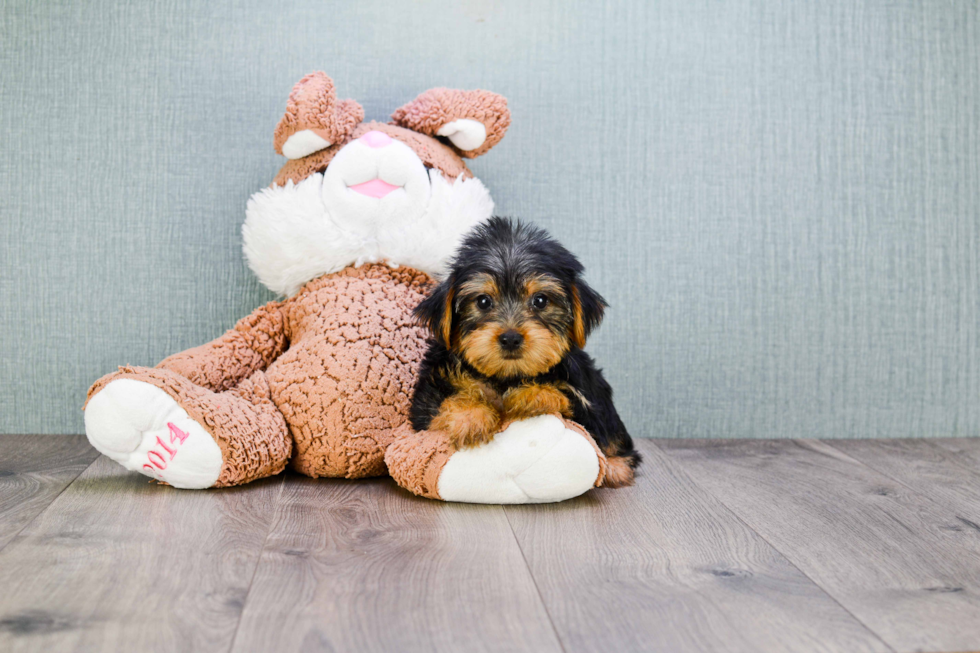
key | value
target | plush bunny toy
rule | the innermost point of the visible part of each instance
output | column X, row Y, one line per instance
column 352, row 232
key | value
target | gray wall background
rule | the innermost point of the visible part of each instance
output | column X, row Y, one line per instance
column 781, row 200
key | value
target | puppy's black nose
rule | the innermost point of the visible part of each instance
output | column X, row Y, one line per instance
column 510, row 340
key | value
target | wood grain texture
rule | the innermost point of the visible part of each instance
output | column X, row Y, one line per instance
column 966, row 450
column 901, row 563
column 34, row 469
column 117, row 563
column 927, row 467
column 664, row 566
column 364, row 566
column 721, row 546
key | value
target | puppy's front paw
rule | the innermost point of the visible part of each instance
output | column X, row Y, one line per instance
column 468, row 424
column 535, row 399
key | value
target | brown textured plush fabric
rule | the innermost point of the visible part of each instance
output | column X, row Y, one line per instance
column 324, row 377
column 252, row 345
column 416, row 459
column 433, row 153
column 346, row 381
column 313, row 105
column 603, row 463
column 246, row 425
column 438, row 106
column 327, row 375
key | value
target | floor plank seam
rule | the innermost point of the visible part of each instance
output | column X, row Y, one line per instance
column 782, row 555
column 50, row 503
column 905, row 485
column 534, row 580
column 258, row 561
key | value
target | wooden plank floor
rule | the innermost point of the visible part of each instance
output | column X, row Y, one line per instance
column 721, row 546
column 33, row 471
column 899, row 561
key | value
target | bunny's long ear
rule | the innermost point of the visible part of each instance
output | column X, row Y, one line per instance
column 314, row 118
column 473, row 121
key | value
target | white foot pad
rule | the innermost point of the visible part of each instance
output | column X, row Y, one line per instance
column 143, row 429
column 535, row 460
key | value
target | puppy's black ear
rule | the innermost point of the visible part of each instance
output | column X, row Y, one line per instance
column 587, row 307
column 436, row 312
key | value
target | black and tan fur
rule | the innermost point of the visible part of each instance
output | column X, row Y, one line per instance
column 508, row 327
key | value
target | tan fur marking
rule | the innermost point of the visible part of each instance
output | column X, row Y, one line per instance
column 568, row 387
column 578, row 325
column 446, row 327
column 541, row 283
column 482, row 284
column 542, row 351
column 471, row 416
column 618, row 472
column 467, row 423
column 533, row 399
column 473, row 389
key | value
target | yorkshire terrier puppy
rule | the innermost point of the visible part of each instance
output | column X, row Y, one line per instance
column 508, row 326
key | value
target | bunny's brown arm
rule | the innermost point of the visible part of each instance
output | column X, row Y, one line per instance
column 252, row 345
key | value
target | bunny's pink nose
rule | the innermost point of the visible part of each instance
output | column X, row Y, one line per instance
column 375, row 139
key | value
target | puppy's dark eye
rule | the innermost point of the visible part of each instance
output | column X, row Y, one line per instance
column 484, row 303
column 539, row 301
